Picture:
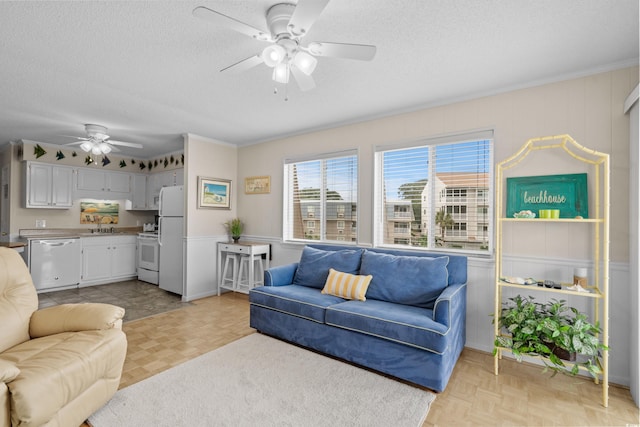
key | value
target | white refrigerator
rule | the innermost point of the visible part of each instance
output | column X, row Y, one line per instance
column 170, row 238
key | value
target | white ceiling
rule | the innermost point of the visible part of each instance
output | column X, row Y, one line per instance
column 149, row 70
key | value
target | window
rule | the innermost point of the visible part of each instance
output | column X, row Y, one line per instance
column 437, row 192
column 324, row 188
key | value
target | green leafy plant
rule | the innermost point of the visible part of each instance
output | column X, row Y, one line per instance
column 537, row 329
column 235, row 227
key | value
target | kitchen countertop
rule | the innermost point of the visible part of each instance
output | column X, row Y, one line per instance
column 53, row 233
column 12, row 244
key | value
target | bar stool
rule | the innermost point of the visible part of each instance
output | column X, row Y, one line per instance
column 233, row 279
column 243, row 274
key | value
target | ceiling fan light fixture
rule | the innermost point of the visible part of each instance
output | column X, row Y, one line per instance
column 95, row 150
column 273, row 55
column 305, row 62
column 86, row 146
column 281, row 73
column 104, row 148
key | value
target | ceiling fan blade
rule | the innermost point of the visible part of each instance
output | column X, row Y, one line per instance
column 125, row 144
column 304, row 15
column 243, row 65
column 229, row 22
column 76, row 137
column 75, row 143
column 304, row 81
column 362, row 52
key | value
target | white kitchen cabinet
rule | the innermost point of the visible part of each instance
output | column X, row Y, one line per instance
column 103, row 184
column 138, row 200
column 156, row 181
column 108, row 259
column 97, row 180
column 48, row 186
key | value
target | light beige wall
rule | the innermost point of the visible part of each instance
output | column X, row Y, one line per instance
column 212, row 159
column 589, row 109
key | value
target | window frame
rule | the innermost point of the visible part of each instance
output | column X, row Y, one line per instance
column 487, row 194
column 320, row 213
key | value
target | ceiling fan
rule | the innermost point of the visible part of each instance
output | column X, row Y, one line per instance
column 288, row 23
column 97, row 141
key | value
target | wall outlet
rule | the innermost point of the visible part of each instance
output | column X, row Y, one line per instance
column 41, row 223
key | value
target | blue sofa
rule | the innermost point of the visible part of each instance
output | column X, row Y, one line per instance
column 411, row 326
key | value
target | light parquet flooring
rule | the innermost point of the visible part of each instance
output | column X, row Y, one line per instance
column 520, row 396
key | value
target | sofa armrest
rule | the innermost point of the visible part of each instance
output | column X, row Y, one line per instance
column 75, row 318
column 281, row 275
column 451, row 303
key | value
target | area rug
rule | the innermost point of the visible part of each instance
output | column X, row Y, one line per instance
column 261, row 381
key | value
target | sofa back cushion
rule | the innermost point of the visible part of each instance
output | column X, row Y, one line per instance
column 314, row 265
column 18, row 299
column 409, row 280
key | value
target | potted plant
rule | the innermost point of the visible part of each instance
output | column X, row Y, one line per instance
column 235, row 227
column 551, row 330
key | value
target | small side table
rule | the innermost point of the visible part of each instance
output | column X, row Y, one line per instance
column 251, row 249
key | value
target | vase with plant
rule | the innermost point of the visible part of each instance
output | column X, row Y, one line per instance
column 551, row 330
column 235, row 227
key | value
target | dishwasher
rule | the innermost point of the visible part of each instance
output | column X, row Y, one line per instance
column 54, row 263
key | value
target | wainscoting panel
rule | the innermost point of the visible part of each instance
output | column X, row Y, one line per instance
column 200, row 269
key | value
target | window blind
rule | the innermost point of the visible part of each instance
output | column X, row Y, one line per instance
column 320, row 198
column 435, row 193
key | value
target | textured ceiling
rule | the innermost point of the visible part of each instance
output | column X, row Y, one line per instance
column 149, row 70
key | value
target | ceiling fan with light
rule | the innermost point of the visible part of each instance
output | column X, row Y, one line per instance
column 97, row 141
column 288, row 23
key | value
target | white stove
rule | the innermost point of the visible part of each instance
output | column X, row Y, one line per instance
column 148, row 257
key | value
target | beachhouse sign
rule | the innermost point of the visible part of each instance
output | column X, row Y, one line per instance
column 568, row 193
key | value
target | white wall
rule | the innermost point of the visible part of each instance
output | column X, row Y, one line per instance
column 589, row 109
column 204, row 228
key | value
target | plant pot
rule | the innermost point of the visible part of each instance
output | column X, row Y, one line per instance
column 235, row 239
column 562, row 353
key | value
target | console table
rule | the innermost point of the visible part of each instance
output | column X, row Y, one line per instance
column 250, row 249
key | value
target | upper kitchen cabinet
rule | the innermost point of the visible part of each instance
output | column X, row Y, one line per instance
column 99, row 184
column 48, row 186
column 156, row 181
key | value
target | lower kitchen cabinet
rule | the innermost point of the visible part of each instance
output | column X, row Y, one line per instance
column 108, row 259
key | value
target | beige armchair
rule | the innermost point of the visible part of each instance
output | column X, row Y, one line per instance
column 57, row 365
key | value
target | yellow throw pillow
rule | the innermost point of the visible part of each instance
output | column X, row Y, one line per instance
column 345, row 285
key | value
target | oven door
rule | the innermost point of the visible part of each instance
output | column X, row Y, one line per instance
column 148, row 253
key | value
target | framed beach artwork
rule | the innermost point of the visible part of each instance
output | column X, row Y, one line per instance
column 214, row 193
column 99, row 213
column 257, row 185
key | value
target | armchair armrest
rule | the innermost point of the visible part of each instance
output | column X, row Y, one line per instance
column 281, row 275
column 451, row 304
column 8, row 371
column 75, row 318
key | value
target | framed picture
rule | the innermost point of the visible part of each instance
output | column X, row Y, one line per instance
column 214, row 193
column 568, row 193
column 257, row 185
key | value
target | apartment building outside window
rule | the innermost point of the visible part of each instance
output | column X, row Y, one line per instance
column 323, row 188
column 436, row 193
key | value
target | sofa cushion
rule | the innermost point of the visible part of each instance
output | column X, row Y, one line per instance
column 404, row 324
column 313, row 268
column 410, row 280
column 301, row 301
column 345, row 285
